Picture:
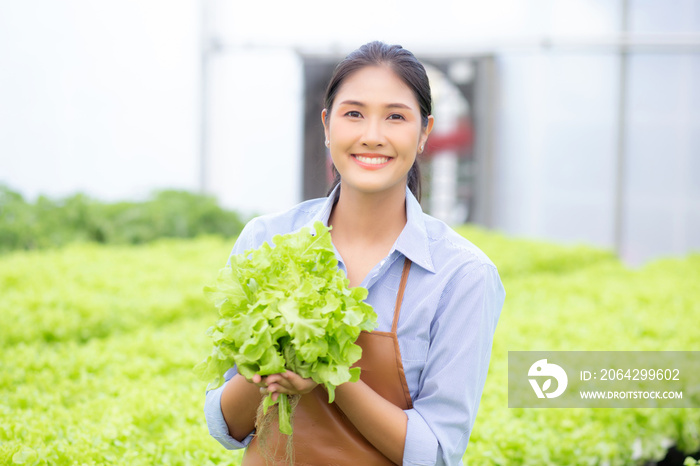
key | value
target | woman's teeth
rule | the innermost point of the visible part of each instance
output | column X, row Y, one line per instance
column 372, row 160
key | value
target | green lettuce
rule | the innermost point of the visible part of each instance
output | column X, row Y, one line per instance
column 287, row 307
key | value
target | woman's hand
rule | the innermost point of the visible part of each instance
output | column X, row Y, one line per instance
column 287, row 382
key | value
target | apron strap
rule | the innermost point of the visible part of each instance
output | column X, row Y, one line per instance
column 399, row 295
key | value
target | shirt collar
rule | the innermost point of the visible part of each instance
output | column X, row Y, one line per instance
column 324, row 213
column 412, row 242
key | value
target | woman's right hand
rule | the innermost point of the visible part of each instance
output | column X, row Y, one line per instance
column 287, row 382
column 258, row 380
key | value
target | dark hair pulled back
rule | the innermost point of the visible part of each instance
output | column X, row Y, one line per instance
column 406, row 66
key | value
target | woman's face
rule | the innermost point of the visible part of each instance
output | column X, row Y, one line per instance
column 375, row 130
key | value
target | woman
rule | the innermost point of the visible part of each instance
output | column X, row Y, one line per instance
column 438, row 297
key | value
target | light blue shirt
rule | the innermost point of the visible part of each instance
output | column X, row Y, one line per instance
column 451, row 306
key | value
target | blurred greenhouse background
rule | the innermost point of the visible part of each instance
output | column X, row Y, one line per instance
column 137, row 137
column 573, row 121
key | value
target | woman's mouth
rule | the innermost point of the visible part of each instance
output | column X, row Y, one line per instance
column 372, row 162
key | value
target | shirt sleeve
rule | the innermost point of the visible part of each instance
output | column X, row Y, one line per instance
column 461, row 336
column 212, row 404
column 215, row 418
column 245, row 241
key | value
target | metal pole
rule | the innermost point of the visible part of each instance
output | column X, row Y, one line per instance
column 484, row 115
column 621, row 134
column 204, row 97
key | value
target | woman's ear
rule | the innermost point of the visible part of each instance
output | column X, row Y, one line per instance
column 426, row 132
column 324, row 116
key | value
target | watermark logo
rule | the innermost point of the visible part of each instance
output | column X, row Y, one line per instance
column 603, row 379
column 542, row 368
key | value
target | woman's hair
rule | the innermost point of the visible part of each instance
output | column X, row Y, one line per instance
column 406, row 66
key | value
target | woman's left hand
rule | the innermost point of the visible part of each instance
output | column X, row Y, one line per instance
column 288, row 383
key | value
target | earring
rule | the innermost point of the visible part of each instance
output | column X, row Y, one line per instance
column 420, row 149
column 328, row 143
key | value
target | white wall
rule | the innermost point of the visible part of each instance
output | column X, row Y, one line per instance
column 98, row 97
column 104, row 98
column 556, row 147
column 556, row 132
column 662, row 187
column 256, row 128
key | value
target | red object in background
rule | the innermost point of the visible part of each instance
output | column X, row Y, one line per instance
column 460, row 139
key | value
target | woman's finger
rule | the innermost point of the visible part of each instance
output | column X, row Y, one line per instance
column 297, row 382
column 277, row 379
column 258, row 380
column 287, row 382
column 278, row 388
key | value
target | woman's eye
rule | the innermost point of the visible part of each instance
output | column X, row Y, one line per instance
column 353, row 114
column 396, row 116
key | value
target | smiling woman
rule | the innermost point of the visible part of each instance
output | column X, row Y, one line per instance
column 405, row 68
column 375, row 125
column 437, row 296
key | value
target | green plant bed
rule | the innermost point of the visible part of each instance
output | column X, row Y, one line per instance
column 48, row 223
column 579, row 298
column 98, row 342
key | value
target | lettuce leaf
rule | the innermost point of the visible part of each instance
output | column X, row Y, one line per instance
column 287, row 307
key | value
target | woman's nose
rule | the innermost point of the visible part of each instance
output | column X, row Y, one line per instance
column 373, row 134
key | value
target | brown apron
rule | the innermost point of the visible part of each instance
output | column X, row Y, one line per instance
column 323, row 435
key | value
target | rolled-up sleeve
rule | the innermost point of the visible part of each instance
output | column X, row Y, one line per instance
column 212, row 405
column 216, row 423
column 461, row 337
